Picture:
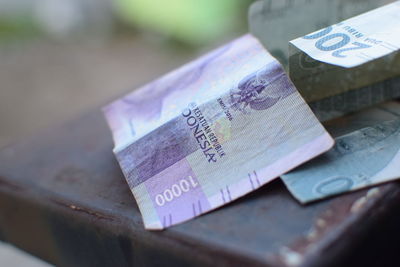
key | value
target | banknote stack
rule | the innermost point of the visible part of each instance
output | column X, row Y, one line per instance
column 276, row 22
column 349, row 65
column 352, row 64
column 231, row 121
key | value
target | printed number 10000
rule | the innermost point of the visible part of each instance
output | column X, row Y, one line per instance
column 175, row 191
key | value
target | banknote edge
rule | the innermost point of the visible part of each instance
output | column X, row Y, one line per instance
column 313, row 200
column 397, row 3
column 324, row 140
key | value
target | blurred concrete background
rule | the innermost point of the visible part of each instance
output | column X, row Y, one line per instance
column 60, row 58
column 46, row 82
column 10, row 256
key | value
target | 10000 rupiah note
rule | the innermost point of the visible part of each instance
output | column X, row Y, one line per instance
column 361, row 157
column 354, row 61
column 211, row 132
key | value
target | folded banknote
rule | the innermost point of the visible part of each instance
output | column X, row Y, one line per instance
column 211, row 132
column 350, row 55
column 360, row 158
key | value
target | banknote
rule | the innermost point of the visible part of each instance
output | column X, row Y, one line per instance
column 211, row 132
column 350, row 55
column 272, row 23
column 276, row 22
column 360, row 157
column 354, row 100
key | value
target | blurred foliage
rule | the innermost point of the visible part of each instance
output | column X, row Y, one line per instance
column 12, row 29
column 191, row 21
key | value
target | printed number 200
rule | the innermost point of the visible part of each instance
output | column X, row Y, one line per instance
column 342, row 40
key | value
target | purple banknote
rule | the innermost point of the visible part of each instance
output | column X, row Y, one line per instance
column 211, row 132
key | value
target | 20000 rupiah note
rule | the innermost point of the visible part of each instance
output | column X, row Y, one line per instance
column 211, row 132
column 360, row 53
column 276, row 22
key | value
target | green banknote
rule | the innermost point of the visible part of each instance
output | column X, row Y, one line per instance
column 331, row 91
column 353, row 54
column 367, row 152
column 276, row 22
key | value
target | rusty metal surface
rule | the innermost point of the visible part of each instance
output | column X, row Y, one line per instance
column 64, row 199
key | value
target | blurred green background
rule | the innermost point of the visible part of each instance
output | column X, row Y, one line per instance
column 191, row 22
